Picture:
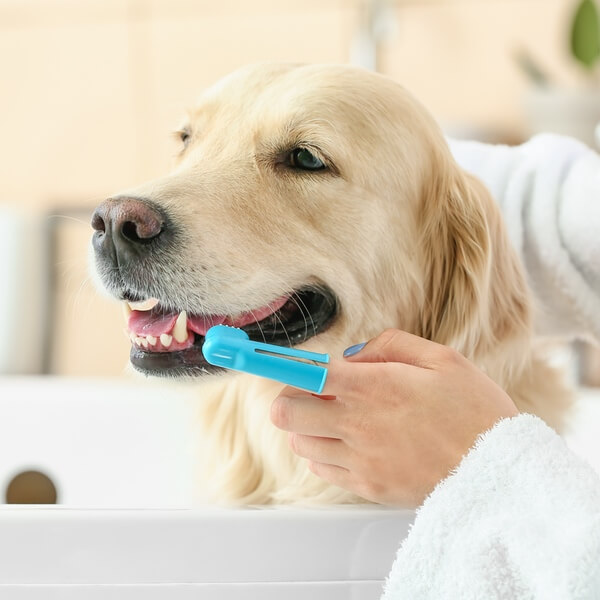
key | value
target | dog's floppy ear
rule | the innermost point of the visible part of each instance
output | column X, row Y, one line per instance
column 474, row 290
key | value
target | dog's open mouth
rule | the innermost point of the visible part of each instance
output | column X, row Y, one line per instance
column 169, row 343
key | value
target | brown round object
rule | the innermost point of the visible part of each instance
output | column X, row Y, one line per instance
column 31, row 487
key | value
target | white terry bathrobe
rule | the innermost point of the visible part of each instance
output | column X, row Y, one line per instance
column 520, row 517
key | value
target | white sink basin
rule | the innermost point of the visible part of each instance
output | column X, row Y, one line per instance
column 104, row 443
column 121, row 455
column 337, row 553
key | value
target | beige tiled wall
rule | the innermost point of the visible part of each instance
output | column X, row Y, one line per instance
column 458, row 57
column 91, row 89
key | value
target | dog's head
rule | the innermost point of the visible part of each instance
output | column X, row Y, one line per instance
column 309, row 204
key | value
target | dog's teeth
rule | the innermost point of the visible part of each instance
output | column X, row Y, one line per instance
column 151, row 340
column 126, row 311
column 144, row 343
column 132, row 337
column 166, row 339
column 180, row 330
column 139, row 340
column 144, row 305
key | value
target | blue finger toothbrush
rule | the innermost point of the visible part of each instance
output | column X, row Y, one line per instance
column 231, row 348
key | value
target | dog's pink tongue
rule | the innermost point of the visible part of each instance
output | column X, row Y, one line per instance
column 202, row 324
column 149, row 322
column 155, row 322
column 258, row 314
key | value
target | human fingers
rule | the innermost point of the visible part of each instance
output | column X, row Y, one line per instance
column 298, row 411
column 324, row 450
column 345, row 478
column 350, row 381
column 343, row 379
column 395, row 345
column 335, row 475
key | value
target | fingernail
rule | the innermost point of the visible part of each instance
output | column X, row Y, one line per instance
column 354, row 349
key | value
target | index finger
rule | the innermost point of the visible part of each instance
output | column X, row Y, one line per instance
column 339, row 378
column 348, row 380
column 397, row 346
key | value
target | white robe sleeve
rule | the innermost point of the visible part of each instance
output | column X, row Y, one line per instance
column 549, row 193
column 519, row 519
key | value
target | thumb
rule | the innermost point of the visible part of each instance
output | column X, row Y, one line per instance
column 394, row 345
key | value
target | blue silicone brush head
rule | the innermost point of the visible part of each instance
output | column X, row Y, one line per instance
column 231, row 348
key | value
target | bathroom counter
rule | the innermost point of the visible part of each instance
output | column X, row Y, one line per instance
column 121, row 455
column 67, row 553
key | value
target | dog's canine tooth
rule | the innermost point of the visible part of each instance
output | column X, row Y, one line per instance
column 166, row 339
column 180, row 330
column 126, row 311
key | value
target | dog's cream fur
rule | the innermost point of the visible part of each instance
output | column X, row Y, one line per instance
column 402, row 236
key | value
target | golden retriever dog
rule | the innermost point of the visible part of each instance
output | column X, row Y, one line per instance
column 314, row 206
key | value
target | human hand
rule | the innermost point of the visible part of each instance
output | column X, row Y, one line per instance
column 395, row 418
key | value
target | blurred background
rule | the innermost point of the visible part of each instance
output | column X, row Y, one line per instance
column 91, row 90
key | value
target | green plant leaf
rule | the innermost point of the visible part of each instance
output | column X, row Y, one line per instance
column 585, row 33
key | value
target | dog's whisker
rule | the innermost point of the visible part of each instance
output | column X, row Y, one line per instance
column 259, row 327
column 297, row 301
column 77, row 296
column 284, row 329
column 69, row 218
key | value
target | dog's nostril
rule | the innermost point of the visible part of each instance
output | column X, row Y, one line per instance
column 137, row 222
column 141, row 230
column 130, row 232
column 98, row 223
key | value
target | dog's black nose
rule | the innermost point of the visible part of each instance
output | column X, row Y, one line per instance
column 124, row 228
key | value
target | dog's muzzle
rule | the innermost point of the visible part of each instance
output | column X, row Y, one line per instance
column 135, row 242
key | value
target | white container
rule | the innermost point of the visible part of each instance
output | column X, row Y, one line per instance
column 121, row 455
column 73, row 554
column 104, row 443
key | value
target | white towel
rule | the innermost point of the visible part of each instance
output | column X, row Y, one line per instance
column 549, row 193
column 519, row 519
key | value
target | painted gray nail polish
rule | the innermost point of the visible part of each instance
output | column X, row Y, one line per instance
column 352, row 350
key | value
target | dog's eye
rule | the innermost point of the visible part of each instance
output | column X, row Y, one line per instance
column 301, row 158
column 184, row 136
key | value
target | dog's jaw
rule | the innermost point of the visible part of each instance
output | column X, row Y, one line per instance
column 169, row 343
